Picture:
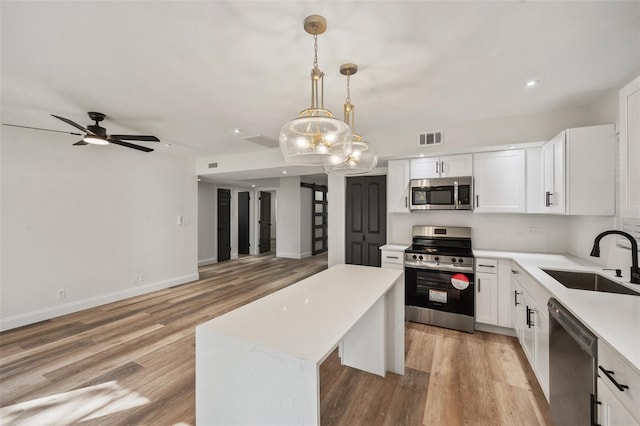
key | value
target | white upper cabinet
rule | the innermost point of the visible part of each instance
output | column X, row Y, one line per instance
column 445, row 166
column 579, row 172
column 630, row 150
column 398, row 186
column 500, row 181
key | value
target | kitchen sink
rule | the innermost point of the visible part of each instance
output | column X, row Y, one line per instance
column 589, row 281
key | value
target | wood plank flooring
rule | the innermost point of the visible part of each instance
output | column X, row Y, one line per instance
column 133, row 362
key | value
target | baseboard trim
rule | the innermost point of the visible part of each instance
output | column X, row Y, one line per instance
column 208, row 261
column 288, row 255
column 79, row 305
column 495, row 329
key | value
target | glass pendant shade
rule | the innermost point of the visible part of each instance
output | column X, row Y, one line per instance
column 361, row 159
column 315, row 134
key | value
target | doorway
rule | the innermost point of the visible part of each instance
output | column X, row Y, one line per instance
column 224, row 224
column 243, row 222
column 366, row 219
column 264, row 245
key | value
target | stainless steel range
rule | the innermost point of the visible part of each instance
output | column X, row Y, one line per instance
column 439, row 280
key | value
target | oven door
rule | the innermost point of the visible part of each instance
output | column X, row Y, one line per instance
column 440, row 290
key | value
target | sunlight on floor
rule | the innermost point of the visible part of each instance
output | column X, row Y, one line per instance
column 73, row 406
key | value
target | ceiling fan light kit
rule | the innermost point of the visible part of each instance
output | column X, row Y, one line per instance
column 362, row 157
column 315, row 134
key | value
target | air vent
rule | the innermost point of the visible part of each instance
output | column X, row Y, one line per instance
column 430, row 139
column 213, row 165
column 262, row 140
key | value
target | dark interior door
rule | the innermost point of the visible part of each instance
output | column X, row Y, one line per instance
column 243, row 223
column 366, row 221
column 265, row 222
column 224, row 224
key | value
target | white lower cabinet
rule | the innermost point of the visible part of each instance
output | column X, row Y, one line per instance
column 486, row 298
column 531, row 323
column 611, row 412
column 618, row 389
column 392, row 256
column 493, row 291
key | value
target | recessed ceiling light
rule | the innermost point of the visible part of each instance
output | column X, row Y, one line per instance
column 512, row 147
column 532, row 83
column 167, row 144
column 253, row 186
column 236, row 131
column 421, row 155
column 284, row 172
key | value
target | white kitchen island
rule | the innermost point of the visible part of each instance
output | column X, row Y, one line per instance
column 259, row 364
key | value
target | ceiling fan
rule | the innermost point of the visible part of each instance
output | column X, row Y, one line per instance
column 96, row 135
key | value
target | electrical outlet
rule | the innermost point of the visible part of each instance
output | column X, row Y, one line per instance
column 62, row 294
column 534, row 229
column 135, row 279
column 143, row 278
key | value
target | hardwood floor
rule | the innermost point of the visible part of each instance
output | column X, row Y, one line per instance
column 132, row 362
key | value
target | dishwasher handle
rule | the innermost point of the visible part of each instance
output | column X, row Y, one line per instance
column 587, row 340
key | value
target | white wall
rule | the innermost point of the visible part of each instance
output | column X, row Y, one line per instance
column 90, row 220
column 288, row 218
column 207, row 219
column 336, row 219
column 306, row 198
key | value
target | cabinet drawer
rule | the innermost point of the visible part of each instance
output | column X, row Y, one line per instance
column 396, row 257
column 623, row 374
column 489, row 266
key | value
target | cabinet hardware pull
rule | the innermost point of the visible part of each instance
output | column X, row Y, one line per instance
column 487, row 266
column 609, row 375
column 547, row 199
column 405, row 202
column 442, row 167
column 594, row 402
column 437, row 164
column 514, row 272
column 392, row 257
column 515, row 297
column 529, row 320
column 477, row 200
column 478, row 285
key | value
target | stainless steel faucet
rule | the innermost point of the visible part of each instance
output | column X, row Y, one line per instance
column 635, row 270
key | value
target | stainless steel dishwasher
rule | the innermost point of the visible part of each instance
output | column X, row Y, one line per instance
column 573, row 357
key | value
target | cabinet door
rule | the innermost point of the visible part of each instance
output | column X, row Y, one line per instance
column 558, row 198
column 541, row 327
column 611, row 412
column 517, row 306
column 486, row 298
column 630, row 150
column 398, row 186
column 456, row 165
column 528, row 331
column 505, row 303
column 500, row 181
column 423, row 168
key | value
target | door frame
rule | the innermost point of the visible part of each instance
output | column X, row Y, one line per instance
column 254, row 207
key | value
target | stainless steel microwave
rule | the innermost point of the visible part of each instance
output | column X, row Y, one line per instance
column 454, row 193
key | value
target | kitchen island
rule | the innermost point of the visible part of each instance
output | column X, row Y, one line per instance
column 259, row 364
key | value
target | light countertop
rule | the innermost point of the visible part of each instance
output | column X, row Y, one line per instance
column 613, row 318
column 395, row 247
column 308, row 319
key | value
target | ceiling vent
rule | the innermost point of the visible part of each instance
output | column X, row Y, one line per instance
column 262, row 140
column 430, row 138
column 213, row 165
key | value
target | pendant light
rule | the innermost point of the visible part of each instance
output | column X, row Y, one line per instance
column 362, row 157
column 315, row 134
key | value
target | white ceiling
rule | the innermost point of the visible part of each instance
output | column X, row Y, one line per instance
column 191, row 71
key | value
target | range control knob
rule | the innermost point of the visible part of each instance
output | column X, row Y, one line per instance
column 420, row 257
column 461, row 260
column 414, row 257
column 436, row 258
column 453, row 260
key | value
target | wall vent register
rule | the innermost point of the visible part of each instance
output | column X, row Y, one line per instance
column 430, row 138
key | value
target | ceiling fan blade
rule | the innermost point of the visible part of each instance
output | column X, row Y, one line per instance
column 81, row 142
column 145, row 138
column 71, row 123
column 128, row 145
column 40, row 128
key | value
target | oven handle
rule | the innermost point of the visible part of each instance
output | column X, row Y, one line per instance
column 439, row 267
